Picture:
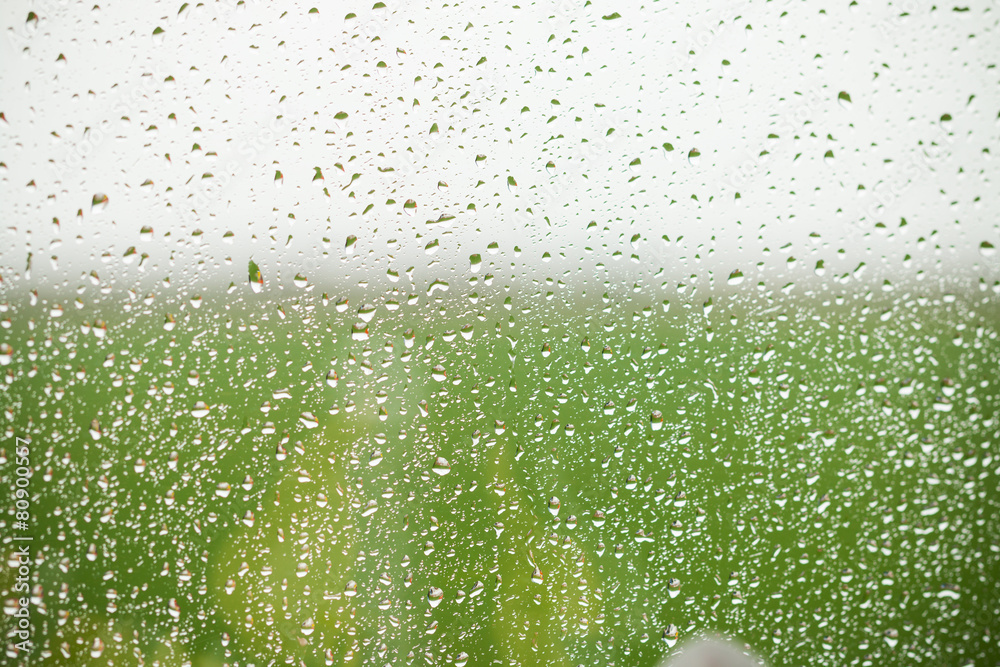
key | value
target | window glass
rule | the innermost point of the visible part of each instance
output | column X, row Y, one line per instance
column 555, row 333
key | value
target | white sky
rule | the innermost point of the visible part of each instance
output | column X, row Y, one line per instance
column 233, row 71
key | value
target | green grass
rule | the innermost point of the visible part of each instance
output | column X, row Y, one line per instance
column 840, row 460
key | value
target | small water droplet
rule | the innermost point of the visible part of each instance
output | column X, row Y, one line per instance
column 256, row 278
column 554, row 506
column 98, row 203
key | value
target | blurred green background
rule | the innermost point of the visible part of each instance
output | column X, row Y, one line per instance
column 253, row 479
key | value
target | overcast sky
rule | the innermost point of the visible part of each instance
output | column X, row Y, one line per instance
column 184, row 120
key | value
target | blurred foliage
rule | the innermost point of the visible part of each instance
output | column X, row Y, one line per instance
column 259, row 480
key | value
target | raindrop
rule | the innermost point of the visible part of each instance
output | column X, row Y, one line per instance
column 256, row 278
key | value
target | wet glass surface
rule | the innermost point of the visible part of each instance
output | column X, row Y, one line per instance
column 555, row 333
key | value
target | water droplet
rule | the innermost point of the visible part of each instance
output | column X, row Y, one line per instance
column 670, row 635
column 98, row 203
column 441, row 466
column 256, row 278
column 554, row 506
